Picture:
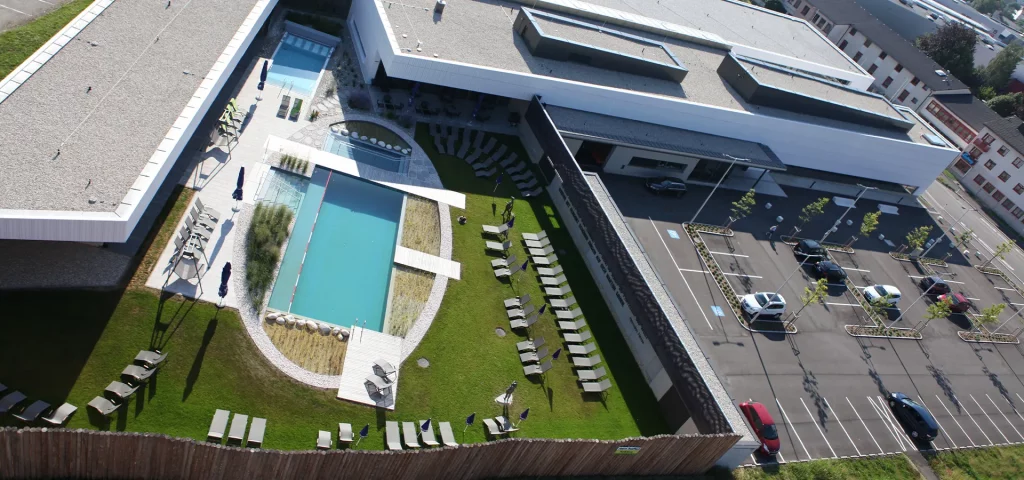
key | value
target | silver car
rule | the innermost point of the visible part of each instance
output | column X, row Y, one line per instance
column 767, row 303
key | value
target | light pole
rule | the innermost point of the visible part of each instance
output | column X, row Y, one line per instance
column 952, row 225
column 733, row 162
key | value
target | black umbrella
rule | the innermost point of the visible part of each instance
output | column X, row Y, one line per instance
column 237, row 194
column 263, row 76
column 224, row 276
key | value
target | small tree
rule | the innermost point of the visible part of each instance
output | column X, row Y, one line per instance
column 989, row 315
column 812, row 296
column 742, row 207
column 868, row 225
column 879, row 309
column 940, row 309
column 917, row 237
column 964, row 238
column 812, row 210
column 1001, row 250
column 997, row 73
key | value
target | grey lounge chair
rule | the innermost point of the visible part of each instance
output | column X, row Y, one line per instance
column 391, row 432
column 519, row 167
column 524, row 323
column 473, row 156
column 323, row 440
column 541, row 252
column 548, row 260
column 486, row 173
column 504, row 262
column 533, row 193
column 409, row 435
column 567, row 314
column 549, row 272
column 535, row 236
column 557, row 292
column 60, row 415
column 438, row 145
column 517, row 301
column 208, row 212
column 498, row 154
column 589, row 362
column 380, row 384
column 529, row 184
column 33, row 411
column 509, row 161
column 532, row 357
column 138, row 374
column 573, row 326
column 11, row 400
column 577, row 337
column 553, row 281
column 523, row 177
column 591, row 375
column 384, row 369
column 256, row 431
column 519, row 312
column 218, row 425
column 537, row 369
column 447, row 437
column 563, row 304
column 500, row 247
column 103, row 406
column 527, row 345
column 344, row 433
column 492, row 428
column 237, row 430
column 150, row 359
column 491, row 142
column 537, row 243
column 496, row 229
column 502, row 272
column 427, row 436
column 585, row 349
column 120, row 390
column 483, row 165
column 505, row 425
column 597, row 387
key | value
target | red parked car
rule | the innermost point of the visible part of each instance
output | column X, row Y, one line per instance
column 960, row 303
column 763, row 425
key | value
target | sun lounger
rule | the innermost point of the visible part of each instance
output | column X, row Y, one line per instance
column 527, row 185
column 256, row 431
column 504, row 262
column 537, row 243
column 150, row 359
column 553, row 281
column 238, row 424
column 548, row 260
column 517, row 301
column 323, row 440
column 491, row 142
column 199, row 218
column 589, row 362
column 563, row 304
column 537, row 368
column 590, row 375
column 208, row 212
column 137, row 373
column 519, row 312
column 60, row 415
column 120, row 390
column 447, row 437
column 427, row 436
column 282, row 111
column 557, row 292
column 577, row 337
column 509, row 161
column 533, row 357
column 527, row 345
column 409, row 435
column 478, row 139
column 384, row 368
column 541, row 252
column 380, row 384
column 499, row 153
column 217, row 426
column 391, row 432
column 533, row 193
column 484, row 164
column 33, row 411
column 505, row 425
column 486, row 173
column 519, row 167
column 502, row 272
column 464, row 147
column 549, row 272
column 573, row 326
column 535, row 236
column 450, row 148
column 103, row 406
column 473, row 156
column 11, row 400
column 438, row 146
column 586, row 349
column 499, row 247
column 522, row 177
column 569, row 315
column 597, row 387
column 492, row 428
column 496, row 230
column 344, row 433
column 524, row 323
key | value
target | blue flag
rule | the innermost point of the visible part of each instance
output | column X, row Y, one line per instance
column 365, row 431
column 426, row 425
column 500, row 177
column 470, row 418
column 526, row 413
column 554, row 356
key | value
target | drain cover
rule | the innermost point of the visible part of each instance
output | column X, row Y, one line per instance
column 499, row 332
column 423, row 362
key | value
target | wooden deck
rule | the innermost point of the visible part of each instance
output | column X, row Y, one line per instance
column 365, row 347
column 427, row 262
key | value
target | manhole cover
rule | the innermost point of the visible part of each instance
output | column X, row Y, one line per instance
column 423, row 363
column 499, row 332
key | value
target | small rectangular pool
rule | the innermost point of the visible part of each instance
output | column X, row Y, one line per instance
column 297, row 64
column 365, row 153
column 337, row 266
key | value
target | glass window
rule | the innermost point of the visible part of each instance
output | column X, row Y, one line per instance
column 1003, row 151
column 988, row 188
column 988, row 138
column 915, row 81
column 1017, row 212
column 887, row 82
column 883, row 55
column 856, row 57
column 975, row 152
column 1017, row 162
column 1007, row 204
column 867, row 42
column 979, row 179
column 903, row 96
column 990, row 164
column 853, row 31
column 656, row 164
column 1019, row 189
column 843, row 44
column 816, row 17
column 998, row 195
column 872, row 69
column 1004, row 176
column 805, row 10
column 913, row 100
column 899, row 68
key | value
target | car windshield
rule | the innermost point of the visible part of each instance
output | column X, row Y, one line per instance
column 769, row 432
column 761, row 298
column 882, row 291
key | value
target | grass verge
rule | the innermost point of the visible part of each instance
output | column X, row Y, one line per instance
column 894, row 467
column 421, row 228
column 165, row 227
column 410, row 291
column 18, row 43
column 979, row 463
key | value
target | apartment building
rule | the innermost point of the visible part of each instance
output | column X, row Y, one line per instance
column 991, row 168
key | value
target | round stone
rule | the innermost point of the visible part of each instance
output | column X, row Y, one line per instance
column 300, row 323
column 362, row 137
column 344, row 132
column 405, row 151
column 423, row 362
column 355, row 134
column 345, row 333
column 312, row 326
column 289, row 320
column 279, row 320
column 388, row 146
column 373, row 141
column 341, row 338
column 334, row 128
column 500, row 332
column 325, row 330
column 335, row 331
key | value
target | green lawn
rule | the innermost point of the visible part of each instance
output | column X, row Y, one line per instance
column 980, row 463
column 18, row 43
column 895, row 467
column 69, row 345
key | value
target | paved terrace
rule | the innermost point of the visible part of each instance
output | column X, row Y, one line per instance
column 133, row 57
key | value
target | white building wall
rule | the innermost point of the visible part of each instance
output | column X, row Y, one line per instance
column 1000, row 164
column 620, row 156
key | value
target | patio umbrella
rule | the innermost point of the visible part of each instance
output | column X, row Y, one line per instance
column 363, row 433
column 541, row 311
column 225, row 274
column 554, row 356
column 237, row 194
column 263, row 75
column 522, row 416
column 425, row 426
column 412, row 94
column 469, row 421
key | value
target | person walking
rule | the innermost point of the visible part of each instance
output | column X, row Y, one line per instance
column 771, row 231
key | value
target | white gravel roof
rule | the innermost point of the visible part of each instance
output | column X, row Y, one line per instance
column 133, row 56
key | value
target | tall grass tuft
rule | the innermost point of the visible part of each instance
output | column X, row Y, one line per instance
column 267, row 232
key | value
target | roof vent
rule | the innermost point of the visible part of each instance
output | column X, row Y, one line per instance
column 941, row 73
column 439, row 7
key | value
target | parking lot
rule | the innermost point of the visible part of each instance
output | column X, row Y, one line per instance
column 825, row 389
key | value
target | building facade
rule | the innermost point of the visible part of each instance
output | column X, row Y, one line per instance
column 991, row 169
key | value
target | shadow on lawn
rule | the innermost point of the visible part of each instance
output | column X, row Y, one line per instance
column 197, row 363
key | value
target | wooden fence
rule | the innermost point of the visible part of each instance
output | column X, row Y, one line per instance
column 43, row 453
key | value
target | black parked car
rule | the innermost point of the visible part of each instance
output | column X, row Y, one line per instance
column 671, row 185
column 935, row 286
column 915, row 418
column 810, row 249
column 830, row 271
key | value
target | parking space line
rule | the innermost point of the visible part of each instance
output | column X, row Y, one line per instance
column 791, row 427
column 990, row 442
column 944, row 432
column 13, row 10
column 819, row 428
column 885, row 422
column 989, row 418
column 741, row 275
column 855, row 412
column 978, row 299
column 955, row 420
column 842, row 304
column 1004, row 288
column 1004, row 417
column 946, row 279
column 730, row 254
column 840, row 422
column 855, row 269
column 896, row 426
column 674, row 262
column 692, row 270
column 781, row 458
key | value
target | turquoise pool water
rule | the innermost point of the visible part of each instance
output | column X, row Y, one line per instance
column 297, row 64
column 351, row 226
column 365, row 153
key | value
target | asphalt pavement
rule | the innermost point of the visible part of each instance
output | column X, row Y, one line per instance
column 20, row 12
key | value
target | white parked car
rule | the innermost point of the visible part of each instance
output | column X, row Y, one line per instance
column 768, row 303
column 876, row 292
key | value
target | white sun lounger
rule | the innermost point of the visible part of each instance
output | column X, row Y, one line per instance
column 345, row 433
column 496, row 230
column 120, row 390
column 537, row 369
column 237, row 430
column 499, row 153
column 532, row 357
column 323, row 440
column 150, row 359
column 499, row 247
column 524, row 323
column 502, row 272
column 33, row 411
column 409, row 435
column 541, row 252
column 527, row 345
column 553, row 281
column 11, row 400
column 535, row 236
column 573, row 326
column 384, row 368
column 557, row 292
column 590, row 375
column 586, row 349
column 537, row 243
column 597, row 387
column 473, row 156
column 103, row 406
column 427, row 436
column 549, row 272
column 504, row 262
column 217, row 426
column 256, row 431
column 492, row 428
column 577, row 337
column 568, row 315
column 562, row 304
column 519, row 312
column 391, row 432
column 447, row 437
column 137, row 373
column 517, row 301
column 60, row 415
column 521, row 177
column 589, row 362
column 516, row 168
column 548, row 260
column 491, row 142
column 483, row 165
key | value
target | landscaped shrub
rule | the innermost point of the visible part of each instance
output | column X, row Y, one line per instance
column 267, row 232
column 318, row 23
column 359, row 101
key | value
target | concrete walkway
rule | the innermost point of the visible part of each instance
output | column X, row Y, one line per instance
column 427, row 262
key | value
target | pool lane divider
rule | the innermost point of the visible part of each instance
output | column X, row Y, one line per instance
column 310, row 239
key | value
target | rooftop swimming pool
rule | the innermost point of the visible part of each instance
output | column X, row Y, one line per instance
column 337, row 266
column 364, row 152
column 297, row 64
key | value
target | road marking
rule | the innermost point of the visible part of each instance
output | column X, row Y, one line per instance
column 840, row 422
column 990, row 442
column 44, row 1
column 791, row 427
column 819, row 428
column 1004, row 288
column 955, row 420
column 741, row 275
column 885, row 422
column 1004, row 417
column 896, row 425
column 944, row 279
column 1014, row 411
column 13, row 10
column 730, row 254
column 680, row 273
column 944, row 432
column 692, row 270
column 855, row 412
column 989, row 418
column 842, row 304
column 855, row 269
column 976, row 299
